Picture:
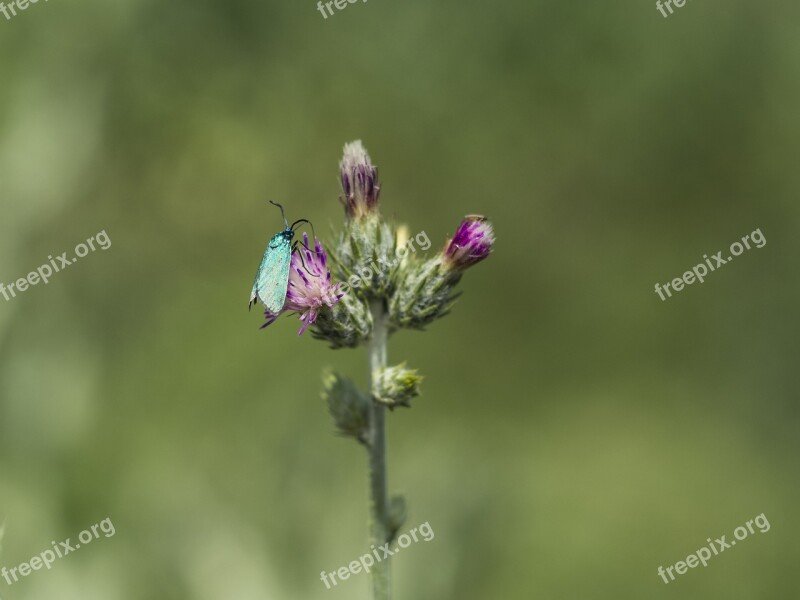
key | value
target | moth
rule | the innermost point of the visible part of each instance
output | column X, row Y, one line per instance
column 272, row 277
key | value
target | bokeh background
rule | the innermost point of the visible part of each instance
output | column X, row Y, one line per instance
column 575, row 432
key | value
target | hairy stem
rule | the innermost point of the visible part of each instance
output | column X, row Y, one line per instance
column 379, row 504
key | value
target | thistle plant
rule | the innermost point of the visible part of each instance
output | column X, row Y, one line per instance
column 360, row 291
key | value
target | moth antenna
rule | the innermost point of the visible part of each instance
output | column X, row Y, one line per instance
column 282, row 213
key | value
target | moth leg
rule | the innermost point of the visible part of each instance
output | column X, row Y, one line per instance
column 312, row 233
column 300, row 254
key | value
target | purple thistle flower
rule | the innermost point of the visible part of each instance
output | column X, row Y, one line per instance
column 359, row 181
column 472, row 242
column 310, row 288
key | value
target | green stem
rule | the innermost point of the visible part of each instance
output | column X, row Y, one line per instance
column 379, row 504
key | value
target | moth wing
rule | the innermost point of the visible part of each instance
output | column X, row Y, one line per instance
column 272, row 277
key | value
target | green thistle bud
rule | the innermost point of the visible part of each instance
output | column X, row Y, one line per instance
column 365, row 257
column 425, row 292
column 347, row 324
column 347, row 405
column 396, row 386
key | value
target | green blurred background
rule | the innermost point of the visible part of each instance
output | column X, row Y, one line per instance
column 575, row 432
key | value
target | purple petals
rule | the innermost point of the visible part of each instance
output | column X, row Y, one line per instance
column 359, row 181
column 471, row 243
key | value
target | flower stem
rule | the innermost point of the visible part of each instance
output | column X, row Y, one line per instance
column 379, row 505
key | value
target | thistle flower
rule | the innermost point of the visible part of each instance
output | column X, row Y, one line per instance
column 310, row 288
column 359, row 181
column 426, row 290
column 471, row 243
column 383, row 289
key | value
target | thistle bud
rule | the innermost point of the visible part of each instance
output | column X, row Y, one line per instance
column 360, row 185
column 345, row 325
column 471, row 243
column 347, row 405
column 396, row 386
column 426, row 291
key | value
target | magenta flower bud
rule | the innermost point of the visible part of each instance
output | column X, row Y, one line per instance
column 359, row 181
column 310, row 287
column 472, row 243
